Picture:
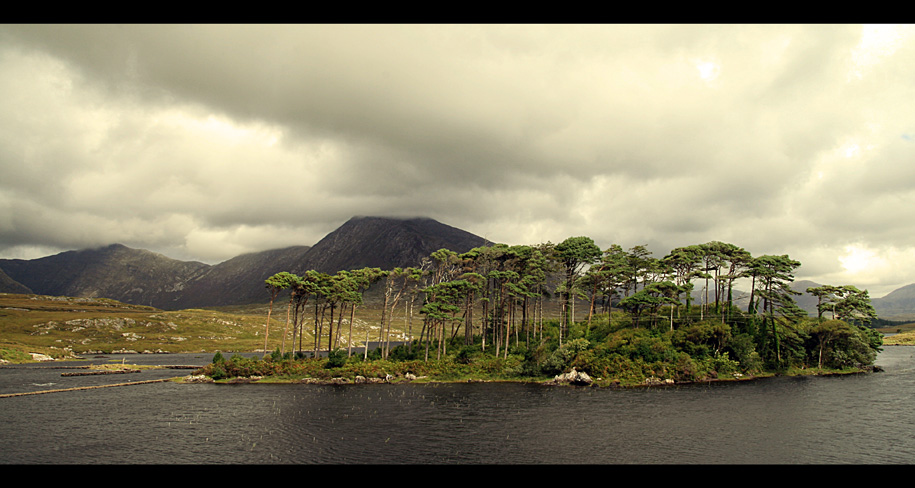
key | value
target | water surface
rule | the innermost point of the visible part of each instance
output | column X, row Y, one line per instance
column 857, row 419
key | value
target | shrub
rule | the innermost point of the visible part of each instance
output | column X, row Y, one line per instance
column 336, row 358
column 562, row 358
column 721, row 364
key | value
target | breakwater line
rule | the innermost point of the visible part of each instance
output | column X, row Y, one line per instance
column 84, row 388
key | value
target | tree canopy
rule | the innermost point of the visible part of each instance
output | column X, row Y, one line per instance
column 498, row 300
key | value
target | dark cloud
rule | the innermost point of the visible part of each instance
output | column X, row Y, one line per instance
column 205, row 141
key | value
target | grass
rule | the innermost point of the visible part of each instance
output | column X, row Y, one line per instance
column 62, row 327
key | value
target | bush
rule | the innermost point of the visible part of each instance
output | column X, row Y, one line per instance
column 562, row 358
column 336, row 358
column 722, row 364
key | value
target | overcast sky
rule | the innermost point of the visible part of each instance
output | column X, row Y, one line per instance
column 203, row 142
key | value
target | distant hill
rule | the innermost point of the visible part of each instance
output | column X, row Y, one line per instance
column 9, row 285
column 805, row 300
column 142, row 277
column 130, row 275
column 897, row 305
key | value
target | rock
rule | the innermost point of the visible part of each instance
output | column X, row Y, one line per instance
column 363, row 379
column 40, row 357
column 198, row 378
column 653, row 381
column 573, row 377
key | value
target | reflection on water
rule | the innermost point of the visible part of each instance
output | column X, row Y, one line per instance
column 849, row 419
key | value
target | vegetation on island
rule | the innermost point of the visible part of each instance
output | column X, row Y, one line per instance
column 481, row 315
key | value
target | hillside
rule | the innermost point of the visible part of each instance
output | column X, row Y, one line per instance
column 897, row 305
column 9, row 285
column 239, row 280
column 384, row 243
column 61, row 326
column 141, row 277
column 133, row 276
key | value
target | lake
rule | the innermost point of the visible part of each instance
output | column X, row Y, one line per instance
column 855, row 419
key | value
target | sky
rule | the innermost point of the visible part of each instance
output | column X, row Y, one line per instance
column 203, row 142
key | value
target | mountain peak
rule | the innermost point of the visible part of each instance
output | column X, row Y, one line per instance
column 386, row 243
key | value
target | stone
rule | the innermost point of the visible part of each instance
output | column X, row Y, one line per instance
column 573, row 377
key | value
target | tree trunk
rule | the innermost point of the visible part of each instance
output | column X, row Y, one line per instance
column 352, row 318
column 267, row 328
column 286, row 329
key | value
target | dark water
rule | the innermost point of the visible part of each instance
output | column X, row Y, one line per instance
column 859, row 419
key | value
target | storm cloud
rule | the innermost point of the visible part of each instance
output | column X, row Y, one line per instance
column 207, row 141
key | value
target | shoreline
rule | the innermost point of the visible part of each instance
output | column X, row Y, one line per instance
column 392, row 380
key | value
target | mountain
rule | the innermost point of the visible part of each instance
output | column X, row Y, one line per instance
column 239, row 280
column 897, row 305
column 9, row 285
column 130, row 275
column 805, row 300
column 385, row 243
column 143, row 277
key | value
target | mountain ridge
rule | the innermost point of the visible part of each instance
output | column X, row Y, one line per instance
column 143, row 277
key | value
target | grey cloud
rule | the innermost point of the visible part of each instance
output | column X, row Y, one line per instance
column 180, row 135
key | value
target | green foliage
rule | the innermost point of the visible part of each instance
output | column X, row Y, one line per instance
column 702, row 339
column 14, row 355
column 562, row 358
column 217, row 358
column 742, row 348
column 336, row 358
column 721, row 364
column 650, row 334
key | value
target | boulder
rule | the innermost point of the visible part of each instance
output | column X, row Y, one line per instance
column 653, row 381
column 574, row 377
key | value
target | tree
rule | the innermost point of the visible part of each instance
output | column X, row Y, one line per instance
column 320, row 286
column 363, row 279
column 685, row 263
column 275, row 284
column 828, row 332
column 845, row 302
column 574, row 253
column 651, row 298
column 738, row 260
column 295, row 287
column 344, row 290
column 772, row 276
